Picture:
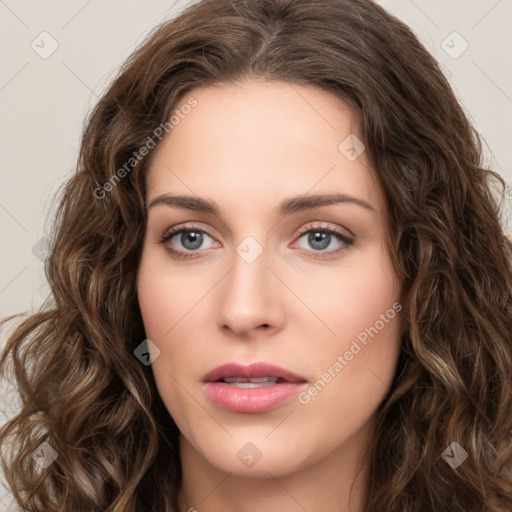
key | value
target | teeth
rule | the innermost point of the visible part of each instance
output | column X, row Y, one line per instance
column 251, row 384
column 252, row 379
column 255, row 382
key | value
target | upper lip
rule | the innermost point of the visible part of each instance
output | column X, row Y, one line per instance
column 255, row 370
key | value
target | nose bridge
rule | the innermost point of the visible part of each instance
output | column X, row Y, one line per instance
column 249, row 296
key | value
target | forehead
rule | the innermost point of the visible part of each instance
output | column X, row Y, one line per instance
column 259, row 141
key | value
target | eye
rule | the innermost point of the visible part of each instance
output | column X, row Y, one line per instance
column 321, row 237
column 187, row 239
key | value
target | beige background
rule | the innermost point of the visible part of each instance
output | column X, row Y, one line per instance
column 43, row 101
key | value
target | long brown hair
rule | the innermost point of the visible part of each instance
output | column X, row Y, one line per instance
column 85, row 393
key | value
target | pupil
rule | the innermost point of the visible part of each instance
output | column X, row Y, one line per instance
column 319, row 240
column 195, row 238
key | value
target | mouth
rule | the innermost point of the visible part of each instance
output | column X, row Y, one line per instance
column 260, row 374
column 255, row 388
column 241, row 382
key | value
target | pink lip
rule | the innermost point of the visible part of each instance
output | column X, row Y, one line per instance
column 253, row 370
column 252, row 400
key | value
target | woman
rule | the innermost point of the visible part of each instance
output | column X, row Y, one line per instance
column 279, row 282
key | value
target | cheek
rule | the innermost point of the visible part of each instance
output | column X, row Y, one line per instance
column 170, row 305
column 351, row 298
column 356, row 365
column 352, row 381
column 166, row 294
column 162, row 308
column 152, row 301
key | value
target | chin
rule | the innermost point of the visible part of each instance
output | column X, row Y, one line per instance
column 254, row 456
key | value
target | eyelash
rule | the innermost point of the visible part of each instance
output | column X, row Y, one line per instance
column 347, row 241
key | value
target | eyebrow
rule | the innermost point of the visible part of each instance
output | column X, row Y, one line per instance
column 288, row 206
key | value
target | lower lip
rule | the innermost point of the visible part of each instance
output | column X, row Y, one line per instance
column 252, row 400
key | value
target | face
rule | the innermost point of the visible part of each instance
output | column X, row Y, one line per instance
column 296, row 294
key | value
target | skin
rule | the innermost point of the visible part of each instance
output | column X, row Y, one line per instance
column 248, row 147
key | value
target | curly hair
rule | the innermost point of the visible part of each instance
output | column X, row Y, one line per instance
column 83, row 391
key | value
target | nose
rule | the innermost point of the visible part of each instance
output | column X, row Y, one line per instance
column 250, row 298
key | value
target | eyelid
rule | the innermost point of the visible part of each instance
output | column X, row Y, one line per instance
column 188, row 226
column 320, row 227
